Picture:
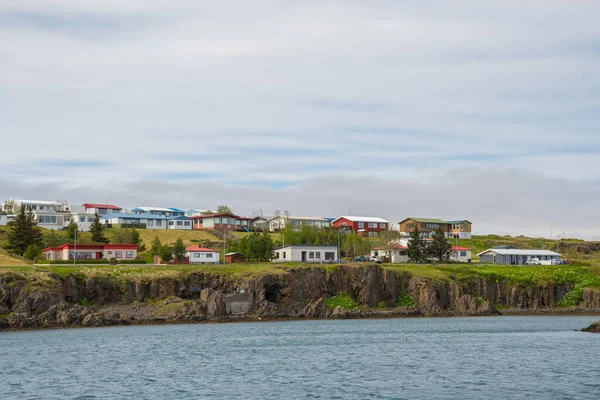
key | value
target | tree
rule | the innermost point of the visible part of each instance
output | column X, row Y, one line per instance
column 267, row 247
column 355, row 245
column 439, row 247
column 72, row 229
column 155, row 246
column 165, row 253
column 388, row 240
column 417, row 249
column 179, row 250
column 97, row 230
column 125, row 236
column 223, row 209
column 24, row 232
column 32, row 252
column 53, row 240
column 10, row 207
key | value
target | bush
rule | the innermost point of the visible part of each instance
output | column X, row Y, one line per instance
column 136, row 261
column 32, row 252
column 404, row 300
column 342, row 300
column 112, row 261
column 79, row 262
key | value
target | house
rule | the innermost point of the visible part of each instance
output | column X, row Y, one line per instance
column 194, row 212
column 179, row 223
column 515, row 256
column 81, row 218
column 309, row 253
column 143, row 221
column 398, row 253
column 202, row 255
column 370, row 226
column 3, row 219
column 235, row 257
column 460, row 254
column 100, row 209
column 164, row 211
column 459, row 229
column 90, row 252
column 221, row 221
column 48, row 214
column 260, row 223
column 281, row 221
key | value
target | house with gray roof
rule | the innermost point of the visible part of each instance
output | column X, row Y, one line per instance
column 516, row 256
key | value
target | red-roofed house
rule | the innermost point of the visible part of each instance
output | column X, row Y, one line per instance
column 90, row 252
column 370, row 226
column 202, row 255
column 460, row 254
column 397, row 250
column 101, row 209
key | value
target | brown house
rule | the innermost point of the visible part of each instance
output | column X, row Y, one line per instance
column 452, row 229
column 231, row 258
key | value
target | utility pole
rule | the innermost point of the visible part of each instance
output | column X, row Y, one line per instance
column 75, row 248
column 558, row 241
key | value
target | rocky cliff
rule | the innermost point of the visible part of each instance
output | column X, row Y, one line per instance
column 50, row 300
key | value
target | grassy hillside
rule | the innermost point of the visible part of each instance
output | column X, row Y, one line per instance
column 167, row 236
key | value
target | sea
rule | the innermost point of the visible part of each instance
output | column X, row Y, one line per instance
column 507, row 357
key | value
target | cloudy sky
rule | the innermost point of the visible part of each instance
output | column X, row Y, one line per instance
column 452, row 109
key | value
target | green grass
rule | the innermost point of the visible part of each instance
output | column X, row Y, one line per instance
column 342, row 300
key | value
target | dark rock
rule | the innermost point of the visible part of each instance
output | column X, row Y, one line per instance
column 594, row 328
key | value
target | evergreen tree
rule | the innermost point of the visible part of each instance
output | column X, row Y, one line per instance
column 179, row 250
column 24, row 232
column 417, row 249
column 165, row 253
column 439, row 247
column 267, row 247
column 155, row 246
column 72, row 229
column 97, row 230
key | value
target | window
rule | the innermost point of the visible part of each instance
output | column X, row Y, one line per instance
column 186, row 223
column 46, row 219
column 463, row 253
column 244, row 223
column 410, row 225
column 209, row 255
column 382, row 226
column 361, row 225
column 129, row 254
column 118, row 254
column 217, row 221
column 110, row 252
column 317, row 255
column 170, row 223
column 311, row 254
column 284, row 255
column 370, row 224
column 150, row 222
column 158, row 222
column 329, row 255
column 90, row 219
column 179, row 223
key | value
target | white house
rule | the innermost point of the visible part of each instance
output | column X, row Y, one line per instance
column 460, row 254
column 150, row 220
column 194, row 212
column 100, row 209
column 82, row 219
column 281, row 221
column 516, row 256
column 398, row 253
column 48, row 214
column 202, row 255
column 164, row 211
column 179, row 223
column 310, row 253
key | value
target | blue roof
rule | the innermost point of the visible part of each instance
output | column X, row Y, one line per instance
column 134, row 216
column 176, row 209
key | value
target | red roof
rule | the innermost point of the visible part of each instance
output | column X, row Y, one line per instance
column 93, row 247
column 458, row 248
column 200, row 249
column 107, row 206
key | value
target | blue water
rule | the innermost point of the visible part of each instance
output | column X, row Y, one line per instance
column 420, row 358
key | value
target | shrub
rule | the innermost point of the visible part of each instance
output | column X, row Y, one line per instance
column 404, row 300
column 112, row 261
column 79, row 262
column 342, row 300
column 136, row 261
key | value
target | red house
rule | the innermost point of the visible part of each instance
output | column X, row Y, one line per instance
column 90, row 252
column 101, row 209
column 370, row 226
column 220, row 221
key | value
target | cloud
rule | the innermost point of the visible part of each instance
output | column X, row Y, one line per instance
column 261, row 96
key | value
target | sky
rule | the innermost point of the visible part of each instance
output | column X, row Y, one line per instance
column 487, row 111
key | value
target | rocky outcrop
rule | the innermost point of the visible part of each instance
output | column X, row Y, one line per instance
column 594, row 328
column 77, row 300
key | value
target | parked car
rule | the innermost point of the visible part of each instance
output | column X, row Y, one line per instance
column 361, row 259
column 533, row 261
column 375, row 259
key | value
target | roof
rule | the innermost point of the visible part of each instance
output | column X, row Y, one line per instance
column 458, row 221
column 179, row 218
column 162, row 209
column 520, row 252
column 44, row 202
column 397, row 246
column 458, row 248
column 96, row 205
column 176, row 209
column 200, row 249
column 134, row 216
column 215, row 215
column 363, row 219
column 308, row 245
column 93, row 247
column 426, row 220
column 302, row 218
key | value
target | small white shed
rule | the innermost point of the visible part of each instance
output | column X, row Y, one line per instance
column 306, row 253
